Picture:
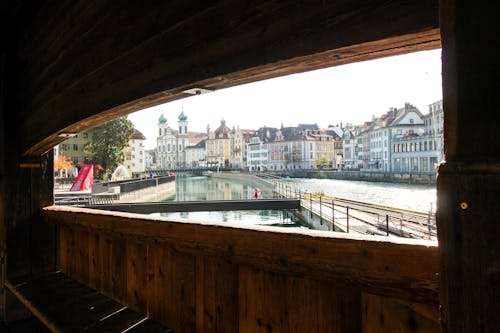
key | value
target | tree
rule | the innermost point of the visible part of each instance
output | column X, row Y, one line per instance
column 324, row 161
column 108, row 142
column 62, row 162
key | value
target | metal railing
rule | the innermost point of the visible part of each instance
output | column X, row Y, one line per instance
column 361, row 217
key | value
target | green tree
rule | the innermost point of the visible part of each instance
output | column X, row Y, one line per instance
column 108, row 142
column 324, row 161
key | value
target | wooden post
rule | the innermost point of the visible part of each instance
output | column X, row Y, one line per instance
column 320, row 211
column 387, row 224
column 347, row 218
column 333, row 213
column 469, row 181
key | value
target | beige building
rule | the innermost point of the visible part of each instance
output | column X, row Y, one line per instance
column 73, row 147
column 218, row 146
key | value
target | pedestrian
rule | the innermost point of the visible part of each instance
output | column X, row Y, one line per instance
column 256, row 193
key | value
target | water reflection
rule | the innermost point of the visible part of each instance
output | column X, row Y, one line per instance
column 208, row 188
column 250, row 217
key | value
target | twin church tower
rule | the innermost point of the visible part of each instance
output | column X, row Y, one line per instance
column 171, row 144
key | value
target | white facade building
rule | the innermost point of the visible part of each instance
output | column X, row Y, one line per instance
column 135, row 161
column 196, row 155
column 257, row 155
column 422, row 152
column 170, row 144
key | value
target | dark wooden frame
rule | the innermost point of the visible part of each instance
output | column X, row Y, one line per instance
column 79, row 64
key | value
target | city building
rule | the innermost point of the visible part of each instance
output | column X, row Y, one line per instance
column 257, row 155
column 291, row 148
column 423, row 151
column 239, row 140
column 135, row 161
column 150, row 159
column 349, row 144
column 73, row 147
column 170, row 143
column 196, row 155
column 218, row 146
column 400, row 123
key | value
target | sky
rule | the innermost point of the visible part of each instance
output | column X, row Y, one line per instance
column 343, row 94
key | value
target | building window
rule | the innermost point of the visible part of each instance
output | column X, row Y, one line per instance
column 75, row 147
column 414, row 164
column 424, row 164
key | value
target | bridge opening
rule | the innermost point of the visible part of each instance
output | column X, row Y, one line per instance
column 369, row 132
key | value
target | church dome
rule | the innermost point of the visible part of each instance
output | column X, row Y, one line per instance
column 182, row 117
column 162, row 119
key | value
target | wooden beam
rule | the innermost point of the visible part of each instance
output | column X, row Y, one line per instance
column 469, row 181
column 86, row 73
column 405, row 269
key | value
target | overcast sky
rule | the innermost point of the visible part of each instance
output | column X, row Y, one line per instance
column 348, row 94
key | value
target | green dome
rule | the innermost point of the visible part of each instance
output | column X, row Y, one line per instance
column 162, row 119
column 223, row 122
column 182, row 117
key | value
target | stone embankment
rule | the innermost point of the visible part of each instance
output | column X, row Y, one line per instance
column 369, row 176
column 150, row 194
column 266, row 186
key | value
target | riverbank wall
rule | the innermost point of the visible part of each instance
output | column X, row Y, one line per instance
column 370, row 176
column 266, row 186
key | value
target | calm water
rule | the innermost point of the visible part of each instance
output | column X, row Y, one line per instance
column 207, row 188
column 413, row 197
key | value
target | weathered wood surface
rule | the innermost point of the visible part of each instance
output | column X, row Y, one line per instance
column 149, row 54
column 404, row 268
column 468, row 184
column 64, row 305
column 384, row 314
column 208, row 277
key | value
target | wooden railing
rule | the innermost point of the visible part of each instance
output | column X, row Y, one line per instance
column 217, row 277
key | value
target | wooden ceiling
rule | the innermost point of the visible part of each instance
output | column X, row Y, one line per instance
column 82, row 63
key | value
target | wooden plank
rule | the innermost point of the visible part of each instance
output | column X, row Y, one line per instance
column 159, row 282
column 95, row 262
column 81, row 255
column 62, row 259
column 405, row 269
column 280, row 303
column 383, row 314
column 217, row 295
column 74, row 307
column 136, row 275
column 149, row 326
column 468, row 183
column 117, row 322
column 18, row 222
column 106, row 259
column 118, row 269
column 43, row 235
column 467, row 219
column 70, row 251
column 339, row 308
column 172, row 288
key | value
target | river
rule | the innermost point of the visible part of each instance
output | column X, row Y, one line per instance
column 412, row 197
column 419, row 198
